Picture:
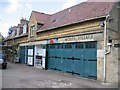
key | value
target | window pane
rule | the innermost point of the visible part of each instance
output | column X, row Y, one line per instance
column 32, row 30
column 79, row 45
column 67, row 46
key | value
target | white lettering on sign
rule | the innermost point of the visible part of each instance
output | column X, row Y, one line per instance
column 77, row 38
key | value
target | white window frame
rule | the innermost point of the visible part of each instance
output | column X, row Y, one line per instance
column 24, row 29
column 32, row 30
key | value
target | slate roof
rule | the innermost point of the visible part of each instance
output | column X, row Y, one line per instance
column 40, row 17
column 78, row 13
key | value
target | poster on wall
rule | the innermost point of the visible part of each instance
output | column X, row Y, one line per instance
column 43, row 58
column 30, row 52
column 40, row 55
column 30, row 60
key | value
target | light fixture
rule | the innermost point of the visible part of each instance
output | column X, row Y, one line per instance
column 101, row 24
column 109, row 39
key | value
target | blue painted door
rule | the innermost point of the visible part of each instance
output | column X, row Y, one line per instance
column 23, row 54
column 26, row 54
column 74, row 58
column 78, row 53
column 67, row 59
column 90, row 59
column 59, row 57
column 51, row 57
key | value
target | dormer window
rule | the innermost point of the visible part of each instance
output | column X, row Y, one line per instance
column 32, row 30
column 21, row 30
column 15, row 32
column 24, row 29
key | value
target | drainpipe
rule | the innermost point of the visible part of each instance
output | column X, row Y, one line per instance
column 109, row 49
column 105, row 41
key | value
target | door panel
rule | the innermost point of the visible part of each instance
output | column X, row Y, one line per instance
column 78, row 65
column 90, row 59
column 68, row 58
column 51, row 61
column 22, row 54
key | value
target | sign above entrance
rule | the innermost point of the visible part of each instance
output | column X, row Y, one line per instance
column 79, row 38
column 89, row 37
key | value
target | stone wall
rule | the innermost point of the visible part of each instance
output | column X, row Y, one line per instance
column 100, row 60
column 113, row 57
column 112, row 64
column 76, row 29
column 21, row 40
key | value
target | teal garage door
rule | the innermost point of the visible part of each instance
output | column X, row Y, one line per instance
column 23, row 54
column 75, row 58
column 90, row 59
column 78, row 58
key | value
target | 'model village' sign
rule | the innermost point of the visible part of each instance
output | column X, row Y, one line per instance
column 78, row 38
column 90, row 37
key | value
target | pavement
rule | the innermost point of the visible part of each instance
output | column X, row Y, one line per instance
column 23, row 76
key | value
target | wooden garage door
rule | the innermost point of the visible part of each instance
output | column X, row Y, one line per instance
column 74, row 58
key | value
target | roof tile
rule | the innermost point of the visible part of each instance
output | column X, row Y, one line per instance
column 40, row 17
column 77, row 13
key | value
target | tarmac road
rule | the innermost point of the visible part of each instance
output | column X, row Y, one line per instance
column 23, row 76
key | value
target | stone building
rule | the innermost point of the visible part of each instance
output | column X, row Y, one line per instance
column 17, row 34
column 82, row 40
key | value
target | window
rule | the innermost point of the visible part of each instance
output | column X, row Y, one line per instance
column 32, row 30
column 15, row 32
column 21, row 30
column 24, row 29
column 79, row 46
column 60, row 46
column 68, row 46
column 52, row 46
column 18, row 31
column 90, row 45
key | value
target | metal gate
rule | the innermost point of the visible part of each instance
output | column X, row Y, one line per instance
column 74, row 58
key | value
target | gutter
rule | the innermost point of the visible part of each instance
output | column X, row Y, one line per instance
column 109, row 48
column 84, row 20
